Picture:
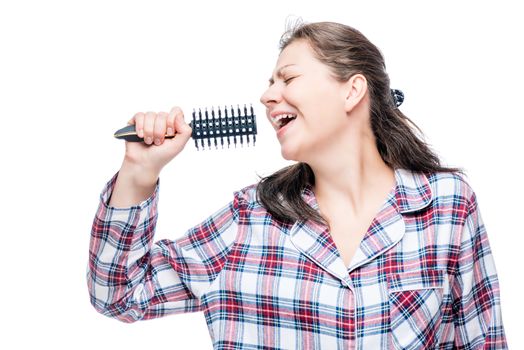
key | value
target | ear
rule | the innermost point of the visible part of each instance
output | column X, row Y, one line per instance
column 355, row 90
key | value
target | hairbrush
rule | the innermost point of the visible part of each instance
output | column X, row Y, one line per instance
column 207, row 125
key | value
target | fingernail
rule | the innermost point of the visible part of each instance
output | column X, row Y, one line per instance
column 149, row 140
column 170, row 131
column 157, row 142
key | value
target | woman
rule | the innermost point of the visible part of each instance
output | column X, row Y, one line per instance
column 366, row 242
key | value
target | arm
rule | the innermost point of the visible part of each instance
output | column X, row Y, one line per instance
column 130, row 278
column 477, row 312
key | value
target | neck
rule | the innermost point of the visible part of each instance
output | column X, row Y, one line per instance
column 351, row 170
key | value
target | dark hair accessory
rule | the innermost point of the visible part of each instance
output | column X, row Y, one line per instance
column 398, row 97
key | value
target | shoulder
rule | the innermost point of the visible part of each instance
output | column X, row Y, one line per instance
column 252, row 212
column 247, row 196
column 452, row 186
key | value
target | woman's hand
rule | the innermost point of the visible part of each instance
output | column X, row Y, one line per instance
column 143, row 161
column 156, row 151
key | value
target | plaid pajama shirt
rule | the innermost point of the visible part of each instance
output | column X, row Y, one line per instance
column 423, row 276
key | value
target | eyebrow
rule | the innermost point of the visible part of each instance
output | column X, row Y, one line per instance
column 279, row 73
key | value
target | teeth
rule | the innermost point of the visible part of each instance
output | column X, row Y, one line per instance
column 281, row 116
column 278, row 118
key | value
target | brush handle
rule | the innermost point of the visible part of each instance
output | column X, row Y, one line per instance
column 129, row 133
column 207, row 125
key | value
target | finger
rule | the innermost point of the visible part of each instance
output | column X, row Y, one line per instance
column 175, row 113
column 159, row 131
column 149, row 126
column 171, row 121
column 181, row 127
column 138, row 120
column 182, row 130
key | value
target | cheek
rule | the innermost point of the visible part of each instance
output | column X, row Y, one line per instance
column 293, row 97
column 317, row 102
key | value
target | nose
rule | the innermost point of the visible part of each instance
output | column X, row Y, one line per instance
column 271, row 96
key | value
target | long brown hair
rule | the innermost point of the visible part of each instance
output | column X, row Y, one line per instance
column 347, row 52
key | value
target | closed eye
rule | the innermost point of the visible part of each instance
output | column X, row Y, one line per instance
column 288, row 80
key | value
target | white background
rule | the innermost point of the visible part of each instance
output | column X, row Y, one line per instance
column 72, row 72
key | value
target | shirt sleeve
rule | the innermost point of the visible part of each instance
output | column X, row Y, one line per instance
column 478, row 319
column 131, row 278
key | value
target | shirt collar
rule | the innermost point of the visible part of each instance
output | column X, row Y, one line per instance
column 412, row 192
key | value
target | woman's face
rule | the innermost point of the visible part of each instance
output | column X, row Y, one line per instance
column 304, row 90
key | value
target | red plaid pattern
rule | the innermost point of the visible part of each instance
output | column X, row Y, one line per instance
column 422, row 278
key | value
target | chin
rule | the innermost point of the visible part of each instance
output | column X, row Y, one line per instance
column 290, row 154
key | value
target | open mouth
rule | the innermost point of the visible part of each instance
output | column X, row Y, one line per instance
column 284, row 119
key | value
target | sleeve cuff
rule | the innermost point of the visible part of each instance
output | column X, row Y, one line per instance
column 107, row 191
column 141, row 217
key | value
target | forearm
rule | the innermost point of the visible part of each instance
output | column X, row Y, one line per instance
column 133, row 185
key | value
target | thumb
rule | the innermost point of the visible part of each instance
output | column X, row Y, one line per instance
column 182, row 135
column 182, row 127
